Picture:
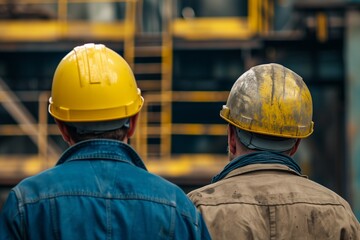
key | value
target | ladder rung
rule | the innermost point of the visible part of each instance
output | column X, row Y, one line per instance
column 153, row 131
column 154, row 148
column 199, row 129
column 154, row 117
column 147, row 68
column 149, row 85
column 152, row 51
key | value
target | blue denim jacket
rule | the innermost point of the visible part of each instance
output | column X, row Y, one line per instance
column 99, row 189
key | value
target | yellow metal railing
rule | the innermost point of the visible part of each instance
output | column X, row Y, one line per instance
column 257, row 22
column 166, row 83
column 38, row 131
column 146, row 130
column 157, row 125
column 60, row 27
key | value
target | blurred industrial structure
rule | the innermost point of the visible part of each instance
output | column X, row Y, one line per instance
column 186, row 54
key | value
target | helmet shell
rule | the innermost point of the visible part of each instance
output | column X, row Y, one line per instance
column 94, row 83
column 270, row 99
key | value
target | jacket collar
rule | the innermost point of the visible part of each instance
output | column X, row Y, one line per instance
column 102, row 149
column 261, row 167
column 258, row 157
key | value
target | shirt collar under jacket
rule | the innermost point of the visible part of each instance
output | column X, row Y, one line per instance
column 102, row 148
column 261, row 157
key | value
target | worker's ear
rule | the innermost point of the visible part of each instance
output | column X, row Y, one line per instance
column 295, row 148
column 133, row 124
column 64, row 131
column 232, row 139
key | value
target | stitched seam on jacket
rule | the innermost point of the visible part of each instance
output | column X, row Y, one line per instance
column 265, row 205
column 21, row 211
column 54, row 219
column 272, row 221
column 108, row 219
column 112, row 197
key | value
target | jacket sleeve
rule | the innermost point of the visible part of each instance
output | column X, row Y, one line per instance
column 354, row 227
column 10, row 222
column 190, row 226
column 203, row 228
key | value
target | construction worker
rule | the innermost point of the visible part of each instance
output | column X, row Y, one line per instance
column 99, row 188
column 261, row 193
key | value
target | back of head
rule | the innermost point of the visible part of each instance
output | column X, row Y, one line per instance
column 271, row 107
column 94, row 90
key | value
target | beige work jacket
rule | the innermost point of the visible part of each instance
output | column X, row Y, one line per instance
column 271, row 201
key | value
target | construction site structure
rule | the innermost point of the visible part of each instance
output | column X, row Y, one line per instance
column 185, row 55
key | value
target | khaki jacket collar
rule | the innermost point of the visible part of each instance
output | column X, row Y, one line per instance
column 261, row 167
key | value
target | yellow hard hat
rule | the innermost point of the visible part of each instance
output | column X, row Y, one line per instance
column 93, row 83
column 270, row 99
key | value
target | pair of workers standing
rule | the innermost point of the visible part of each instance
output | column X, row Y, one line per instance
column 100, row 188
